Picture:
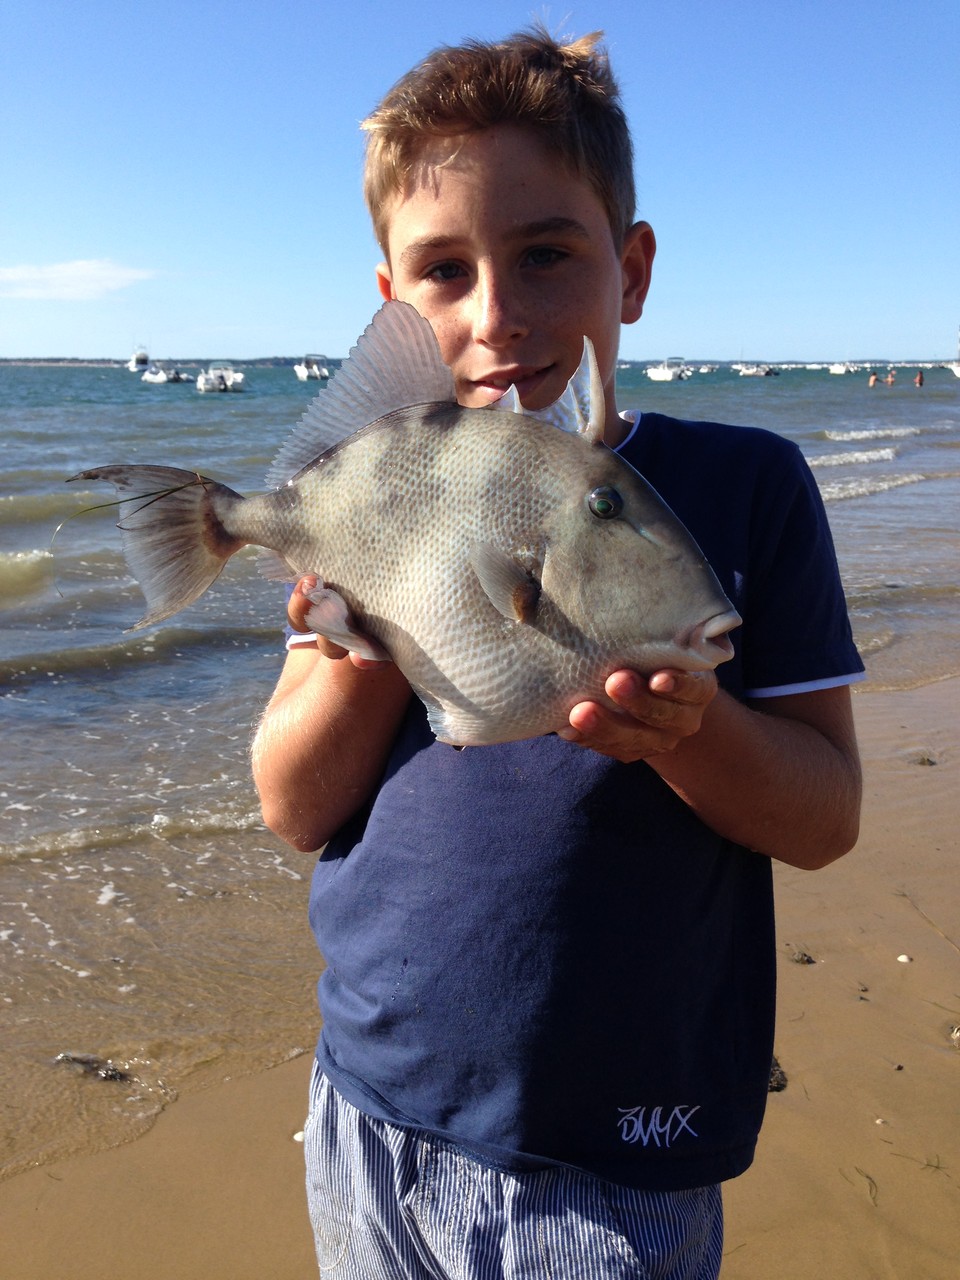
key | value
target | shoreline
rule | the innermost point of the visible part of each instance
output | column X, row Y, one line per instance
column 858, row 1166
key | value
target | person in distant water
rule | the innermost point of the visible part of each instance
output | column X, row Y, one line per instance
column 873, row 378
column 548, row 999
column 918, row 380
column 891, row 378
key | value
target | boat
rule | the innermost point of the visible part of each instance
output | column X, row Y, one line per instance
column 842, row 366
column 672, row 369
column 756, row 371
column 139, row 360
column 220, row 375
column 158, row 372
column 312, row 367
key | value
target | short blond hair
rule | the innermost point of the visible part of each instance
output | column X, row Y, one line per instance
column 566, row 93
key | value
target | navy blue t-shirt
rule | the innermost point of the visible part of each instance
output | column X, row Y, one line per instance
column 541, row 954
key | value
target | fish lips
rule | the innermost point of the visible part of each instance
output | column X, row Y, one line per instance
column 709, row 643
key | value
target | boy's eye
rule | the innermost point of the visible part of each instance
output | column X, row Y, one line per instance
column 544, row 255
column 443, row 271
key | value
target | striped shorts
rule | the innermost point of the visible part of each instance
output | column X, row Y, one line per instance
column 388, row 1203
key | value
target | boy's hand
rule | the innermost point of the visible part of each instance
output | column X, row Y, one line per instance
column 653, row 714
column 298, row 606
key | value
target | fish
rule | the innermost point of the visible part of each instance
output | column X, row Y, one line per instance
column 507, row 561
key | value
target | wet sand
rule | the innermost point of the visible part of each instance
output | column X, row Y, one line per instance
column 858, row 1169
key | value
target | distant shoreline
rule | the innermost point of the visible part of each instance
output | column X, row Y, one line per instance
column 25, row 363
column 282, row 362
column 74, row 362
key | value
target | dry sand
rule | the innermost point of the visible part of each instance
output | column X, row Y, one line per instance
column 857, row 1175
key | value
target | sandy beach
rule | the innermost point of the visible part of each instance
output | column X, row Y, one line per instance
column 858, row 1171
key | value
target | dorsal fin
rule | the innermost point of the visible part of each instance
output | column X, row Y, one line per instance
column 395, row 363
column 581, row 408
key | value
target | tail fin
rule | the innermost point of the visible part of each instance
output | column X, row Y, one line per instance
column 172, row 534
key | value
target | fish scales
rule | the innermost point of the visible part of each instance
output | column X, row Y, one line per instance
column 507, row 562
column 414, row 590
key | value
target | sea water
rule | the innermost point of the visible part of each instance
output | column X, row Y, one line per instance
column 147, row 919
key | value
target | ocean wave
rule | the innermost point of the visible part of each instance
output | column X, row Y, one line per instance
column 882, row 433
column 853, row 458
column 20, row 508
column 162, row 826
column 864, row 486
column 24, row 574
column 884, row 596
column 168, row 643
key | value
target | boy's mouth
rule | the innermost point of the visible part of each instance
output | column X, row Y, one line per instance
column 527, row 381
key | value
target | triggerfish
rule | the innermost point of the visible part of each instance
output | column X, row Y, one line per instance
column 506, row 561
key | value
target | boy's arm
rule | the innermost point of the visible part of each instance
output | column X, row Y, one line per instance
column 323, row 742
column 778, row 775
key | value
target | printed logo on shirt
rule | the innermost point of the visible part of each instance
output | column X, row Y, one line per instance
column 656, row 1126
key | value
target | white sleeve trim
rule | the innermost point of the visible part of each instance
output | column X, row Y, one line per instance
column 301, row 637
column 806, row 686
column 631, row 419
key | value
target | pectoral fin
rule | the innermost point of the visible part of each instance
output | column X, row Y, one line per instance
column 510, row 586
column 330, row 617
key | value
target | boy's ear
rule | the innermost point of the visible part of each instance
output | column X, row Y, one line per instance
column 639, row 249
column 385, row 282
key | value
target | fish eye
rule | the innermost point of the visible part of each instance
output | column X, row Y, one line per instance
column 605, row 503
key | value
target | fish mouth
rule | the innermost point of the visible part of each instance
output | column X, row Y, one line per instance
column 710, row 639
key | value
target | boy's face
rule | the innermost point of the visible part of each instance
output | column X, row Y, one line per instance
column 512, row 261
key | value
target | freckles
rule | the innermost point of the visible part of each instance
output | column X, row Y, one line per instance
column 445, row 334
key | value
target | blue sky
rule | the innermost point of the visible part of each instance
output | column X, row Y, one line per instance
column 187, row 175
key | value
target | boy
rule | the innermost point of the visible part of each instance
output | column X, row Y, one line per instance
column 548, row 1001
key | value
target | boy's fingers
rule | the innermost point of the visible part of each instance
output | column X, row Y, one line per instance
column 331, row 650
column 298, row 605
column 647, row 697
column 368, row 664
column 651, row 716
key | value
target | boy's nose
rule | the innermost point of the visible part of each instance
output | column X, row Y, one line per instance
column 499, row 316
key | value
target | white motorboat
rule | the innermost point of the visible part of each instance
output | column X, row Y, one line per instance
column 312, row 367
column 672, row 369
column 756, row 371
column 220, row 375
column 842, row 366
column 157, row 372
column 139, row 361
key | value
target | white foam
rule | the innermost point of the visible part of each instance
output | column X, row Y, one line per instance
column 882, row 433
column 856, row 457
column 863, row 487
